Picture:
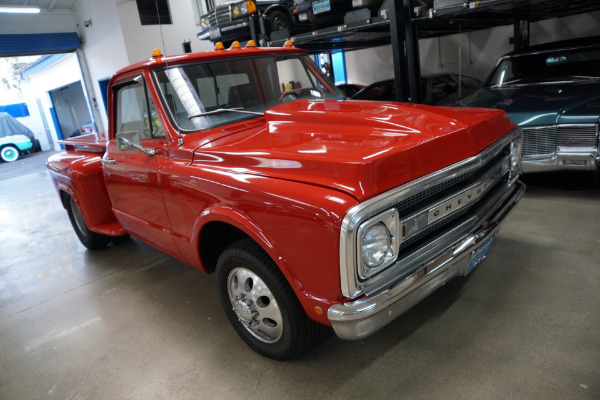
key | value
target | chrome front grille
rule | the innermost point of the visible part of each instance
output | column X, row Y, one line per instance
column 219, row 16
column 577, row 135
column 493, row 171
column 539, row 141
column 432, row 212
column 544, row 140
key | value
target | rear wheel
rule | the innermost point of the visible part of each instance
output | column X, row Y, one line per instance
column 261, row 305
column 9, row 153
column 91, row 240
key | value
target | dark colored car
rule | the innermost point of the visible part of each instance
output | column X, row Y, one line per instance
column 436, row 89
column 234, row 20
column 324, row 13
column 349, row 89
column 552, row 92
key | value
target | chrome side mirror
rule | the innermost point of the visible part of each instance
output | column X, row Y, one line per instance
column 131, row 140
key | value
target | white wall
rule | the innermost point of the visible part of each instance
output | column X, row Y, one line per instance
column 103, row 46
column 473, row 54
column 115, row 38
column 54, row 22
column 364, row 67
column 59, row 74
column 141, row 40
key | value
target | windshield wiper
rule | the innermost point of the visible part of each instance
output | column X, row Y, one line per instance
column 222, row 110
column 507, row 83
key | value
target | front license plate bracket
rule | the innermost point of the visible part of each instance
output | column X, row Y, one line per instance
column 477, row 256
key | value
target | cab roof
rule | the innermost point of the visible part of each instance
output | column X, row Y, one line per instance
column 158, row 60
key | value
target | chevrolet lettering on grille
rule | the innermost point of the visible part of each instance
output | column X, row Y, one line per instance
column 459, row 201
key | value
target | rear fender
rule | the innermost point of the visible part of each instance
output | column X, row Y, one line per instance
column 80, row 176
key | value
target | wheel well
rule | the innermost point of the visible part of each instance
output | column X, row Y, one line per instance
column 10, row 145
column 214, row 239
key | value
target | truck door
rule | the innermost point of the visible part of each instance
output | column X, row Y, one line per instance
column 133, row 175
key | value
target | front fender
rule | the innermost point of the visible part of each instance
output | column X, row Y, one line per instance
column 296, row 224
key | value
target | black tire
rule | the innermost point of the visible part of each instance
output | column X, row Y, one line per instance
column 261, row 305
column 279, row 20
column 91, row 240
column 9, row 153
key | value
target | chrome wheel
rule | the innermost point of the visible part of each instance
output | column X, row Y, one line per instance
column 9, row 153
column 254, row 304
column 260, row 304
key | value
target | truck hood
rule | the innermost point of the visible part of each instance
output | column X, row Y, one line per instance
column 362, row 148
column 542, row 104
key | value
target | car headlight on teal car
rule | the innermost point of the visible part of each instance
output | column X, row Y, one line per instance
column 378, row 240
column 243, row 8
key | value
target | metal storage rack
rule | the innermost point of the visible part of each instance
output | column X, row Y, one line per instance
column 402, row 22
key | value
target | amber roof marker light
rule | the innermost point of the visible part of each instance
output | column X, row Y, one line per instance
column 235, row 46
column 219, row 46
column 251, row 44
column 156, row 54
column 288, row 43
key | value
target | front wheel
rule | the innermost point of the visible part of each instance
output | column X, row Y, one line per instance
column 261, row 305
column 91, row 240
column 9, row 153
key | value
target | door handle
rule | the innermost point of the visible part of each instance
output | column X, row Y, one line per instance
column 106, row 160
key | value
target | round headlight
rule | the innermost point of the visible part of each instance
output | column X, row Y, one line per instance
column 236, row 11
column 376, row 245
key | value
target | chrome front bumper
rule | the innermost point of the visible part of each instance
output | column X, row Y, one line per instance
column 563, row 161
column 363, row 317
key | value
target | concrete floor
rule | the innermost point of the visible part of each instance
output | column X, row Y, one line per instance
column 129, row 322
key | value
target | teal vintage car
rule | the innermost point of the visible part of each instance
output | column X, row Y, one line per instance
column 11, row 147
column 552, row 92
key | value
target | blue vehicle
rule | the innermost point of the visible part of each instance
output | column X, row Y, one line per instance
column 552, row 91
column 15, row 139
column 11, row 147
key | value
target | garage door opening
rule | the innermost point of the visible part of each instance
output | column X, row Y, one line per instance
column 71, row 111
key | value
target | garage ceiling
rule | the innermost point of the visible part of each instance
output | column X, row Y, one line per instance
column 47, row 6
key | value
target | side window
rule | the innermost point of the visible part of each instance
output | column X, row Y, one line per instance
column 135, row 112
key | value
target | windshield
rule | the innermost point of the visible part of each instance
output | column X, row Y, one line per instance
column 565, row 65
column 208, row 94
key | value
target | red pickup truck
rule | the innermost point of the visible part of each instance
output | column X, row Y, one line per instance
column 312, row 210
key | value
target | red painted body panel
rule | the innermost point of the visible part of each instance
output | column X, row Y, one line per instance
column 286, row 179
column 80, row 175
column 361, row 148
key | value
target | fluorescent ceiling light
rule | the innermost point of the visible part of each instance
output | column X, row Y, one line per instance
column 19, row 10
